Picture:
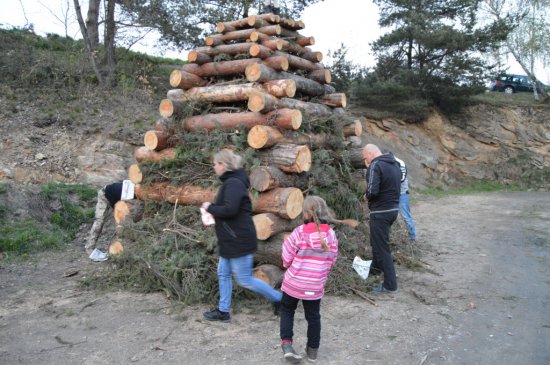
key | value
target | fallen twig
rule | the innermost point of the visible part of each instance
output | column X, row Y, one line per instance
column 362, row 295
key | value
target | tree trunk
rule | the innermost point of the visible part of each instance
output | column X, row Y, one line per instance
column 237, row 35
column 185, row 80
column 262, row 102
column 353, row 129
column 222, row 68
column 186, row 194
column 264, row 178
column 158, row 141
column 311, row 109
column 144, row 154
column 229, row 49
column 270, row 250
column 261, row 136
column 259, row 51
column 116, row 247
column 128, row 209
column 285, row 202
column 269, row 224
column 300, row 63
column 303, row 52
column 322, row 76
column 280, row 88
column 259, row 72
column 338, row 100
column 355, row 158
column 269, row 273
column 288, row 157
column 284, row 118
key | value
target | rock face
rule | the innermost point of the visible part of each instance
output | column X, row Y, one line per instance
column 485, row 142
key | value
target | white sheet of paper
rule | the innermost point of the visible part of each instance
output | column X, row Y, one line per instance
column 127, row 190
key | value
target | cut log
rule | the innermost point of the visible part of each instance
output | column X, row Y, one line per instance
column 135, row 174
column 238, row 35
column 338, row 100
column 259, row 72
column 322, row 76
column 355, row 142
column 237, row 24
column 185, row 195
column 158, row 141
column 125, row 210
column 259, row 51
column 311, row 109
column 185, row 80
column 355, row 158
column 166, row 126
column 169, row 108
column 270, row 250
column 269, row 273
column 269, row 224
column 329, row 89
column 265, row 136
column 271, row 30
column 352, row 223
column 274, row 44
column 261, row 101
column 288, row 157
column 285, row 202
column 222, row 68
column 263, row 178
column 116, row 247
column 300, row 63
column 279, row 63
column 284, row 118
column 280, row 88
column 353, row 129
column 143, row 154
column 228, row 49
column 303, row 52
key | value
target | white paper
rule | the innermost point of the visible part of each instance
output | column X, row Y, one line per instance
column 98, row 255
column 127, row 190
column 362, row 267
column 207, row 218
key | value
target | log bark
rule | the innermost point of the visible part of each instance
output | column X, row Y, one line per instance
column 269, row 273
column 125, row 210
column 158, row 141
column 285, row 202
column 259, row 72
column 229, row 49
column 144, row 154
column 322, row 76
column 274, row 44
column 232, row 25
column 269, row 224
column 185, row 80
column 186, row 194
column 279, row 63
column 135, row 174
column 288, row 157
column 338, row 100
column 166, row 126
column 259, row 51
column 265, row 136
column 355, row 158
column 237, row 35
column 303, row 52
column 263, row 178
column 300, row 63
column 169, row 108
column 270, row 250
column 284, row 118
column 222, row 68
column 280, row 88
column 312, row 109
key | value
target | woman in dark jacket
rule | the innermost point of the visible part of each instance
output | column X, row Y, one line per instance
column 236, row 235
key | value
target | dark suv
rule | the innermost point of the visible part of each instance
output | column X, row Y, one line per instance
column 512, row 83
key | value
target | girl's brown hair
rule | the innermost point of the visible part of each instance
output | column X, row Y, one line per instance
column 316, row 208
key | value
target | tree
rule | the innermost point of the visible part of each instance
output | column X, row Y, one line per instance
column 529, row 41
column 434, row 49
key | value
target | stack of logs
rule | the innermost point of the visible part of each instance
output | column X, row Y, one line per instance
column 274, row 82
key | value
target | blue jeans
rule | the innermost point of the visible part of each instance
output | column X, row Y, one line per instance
column 405, row 212
column 241, row 268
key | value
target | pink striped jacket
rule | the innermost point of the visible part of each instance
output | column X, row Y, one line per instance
column 307, row 264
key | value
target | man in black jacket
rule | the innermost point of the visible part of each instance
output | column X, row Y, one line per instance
column 383, row 187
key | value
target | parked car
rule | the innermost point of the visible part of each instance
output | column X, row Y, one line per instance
column 512, row 83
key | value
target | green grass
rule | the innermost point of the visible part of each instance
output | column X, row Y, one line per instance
column 502, row 99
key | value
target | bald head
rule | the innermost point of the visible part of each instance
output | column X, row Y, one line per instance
column 370, row 152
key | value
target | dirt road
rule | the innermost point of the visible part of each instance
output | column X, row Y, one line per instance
column 485, row 300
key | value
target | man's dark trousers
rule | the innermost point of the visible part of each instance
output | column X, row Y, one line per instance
column 382, row 260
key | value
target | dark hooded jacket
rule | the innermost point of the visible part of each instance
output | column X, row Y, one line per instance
column 233, row 213
column 383, row 184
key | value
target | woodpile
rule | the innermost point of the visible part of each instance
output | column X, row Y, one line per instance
column 260, row 74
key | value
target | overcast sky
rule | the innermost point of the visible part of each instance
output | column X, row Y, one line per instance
column 331, row 22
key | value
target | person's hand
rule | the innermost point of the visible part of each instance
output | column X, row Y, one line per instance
column 205, row 205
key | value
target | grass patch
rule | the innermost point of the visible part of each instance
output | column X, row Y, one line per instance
column 503, row 99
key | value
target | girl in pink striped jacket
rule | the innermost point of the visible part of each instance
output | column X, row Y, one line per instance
column 308, row 255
